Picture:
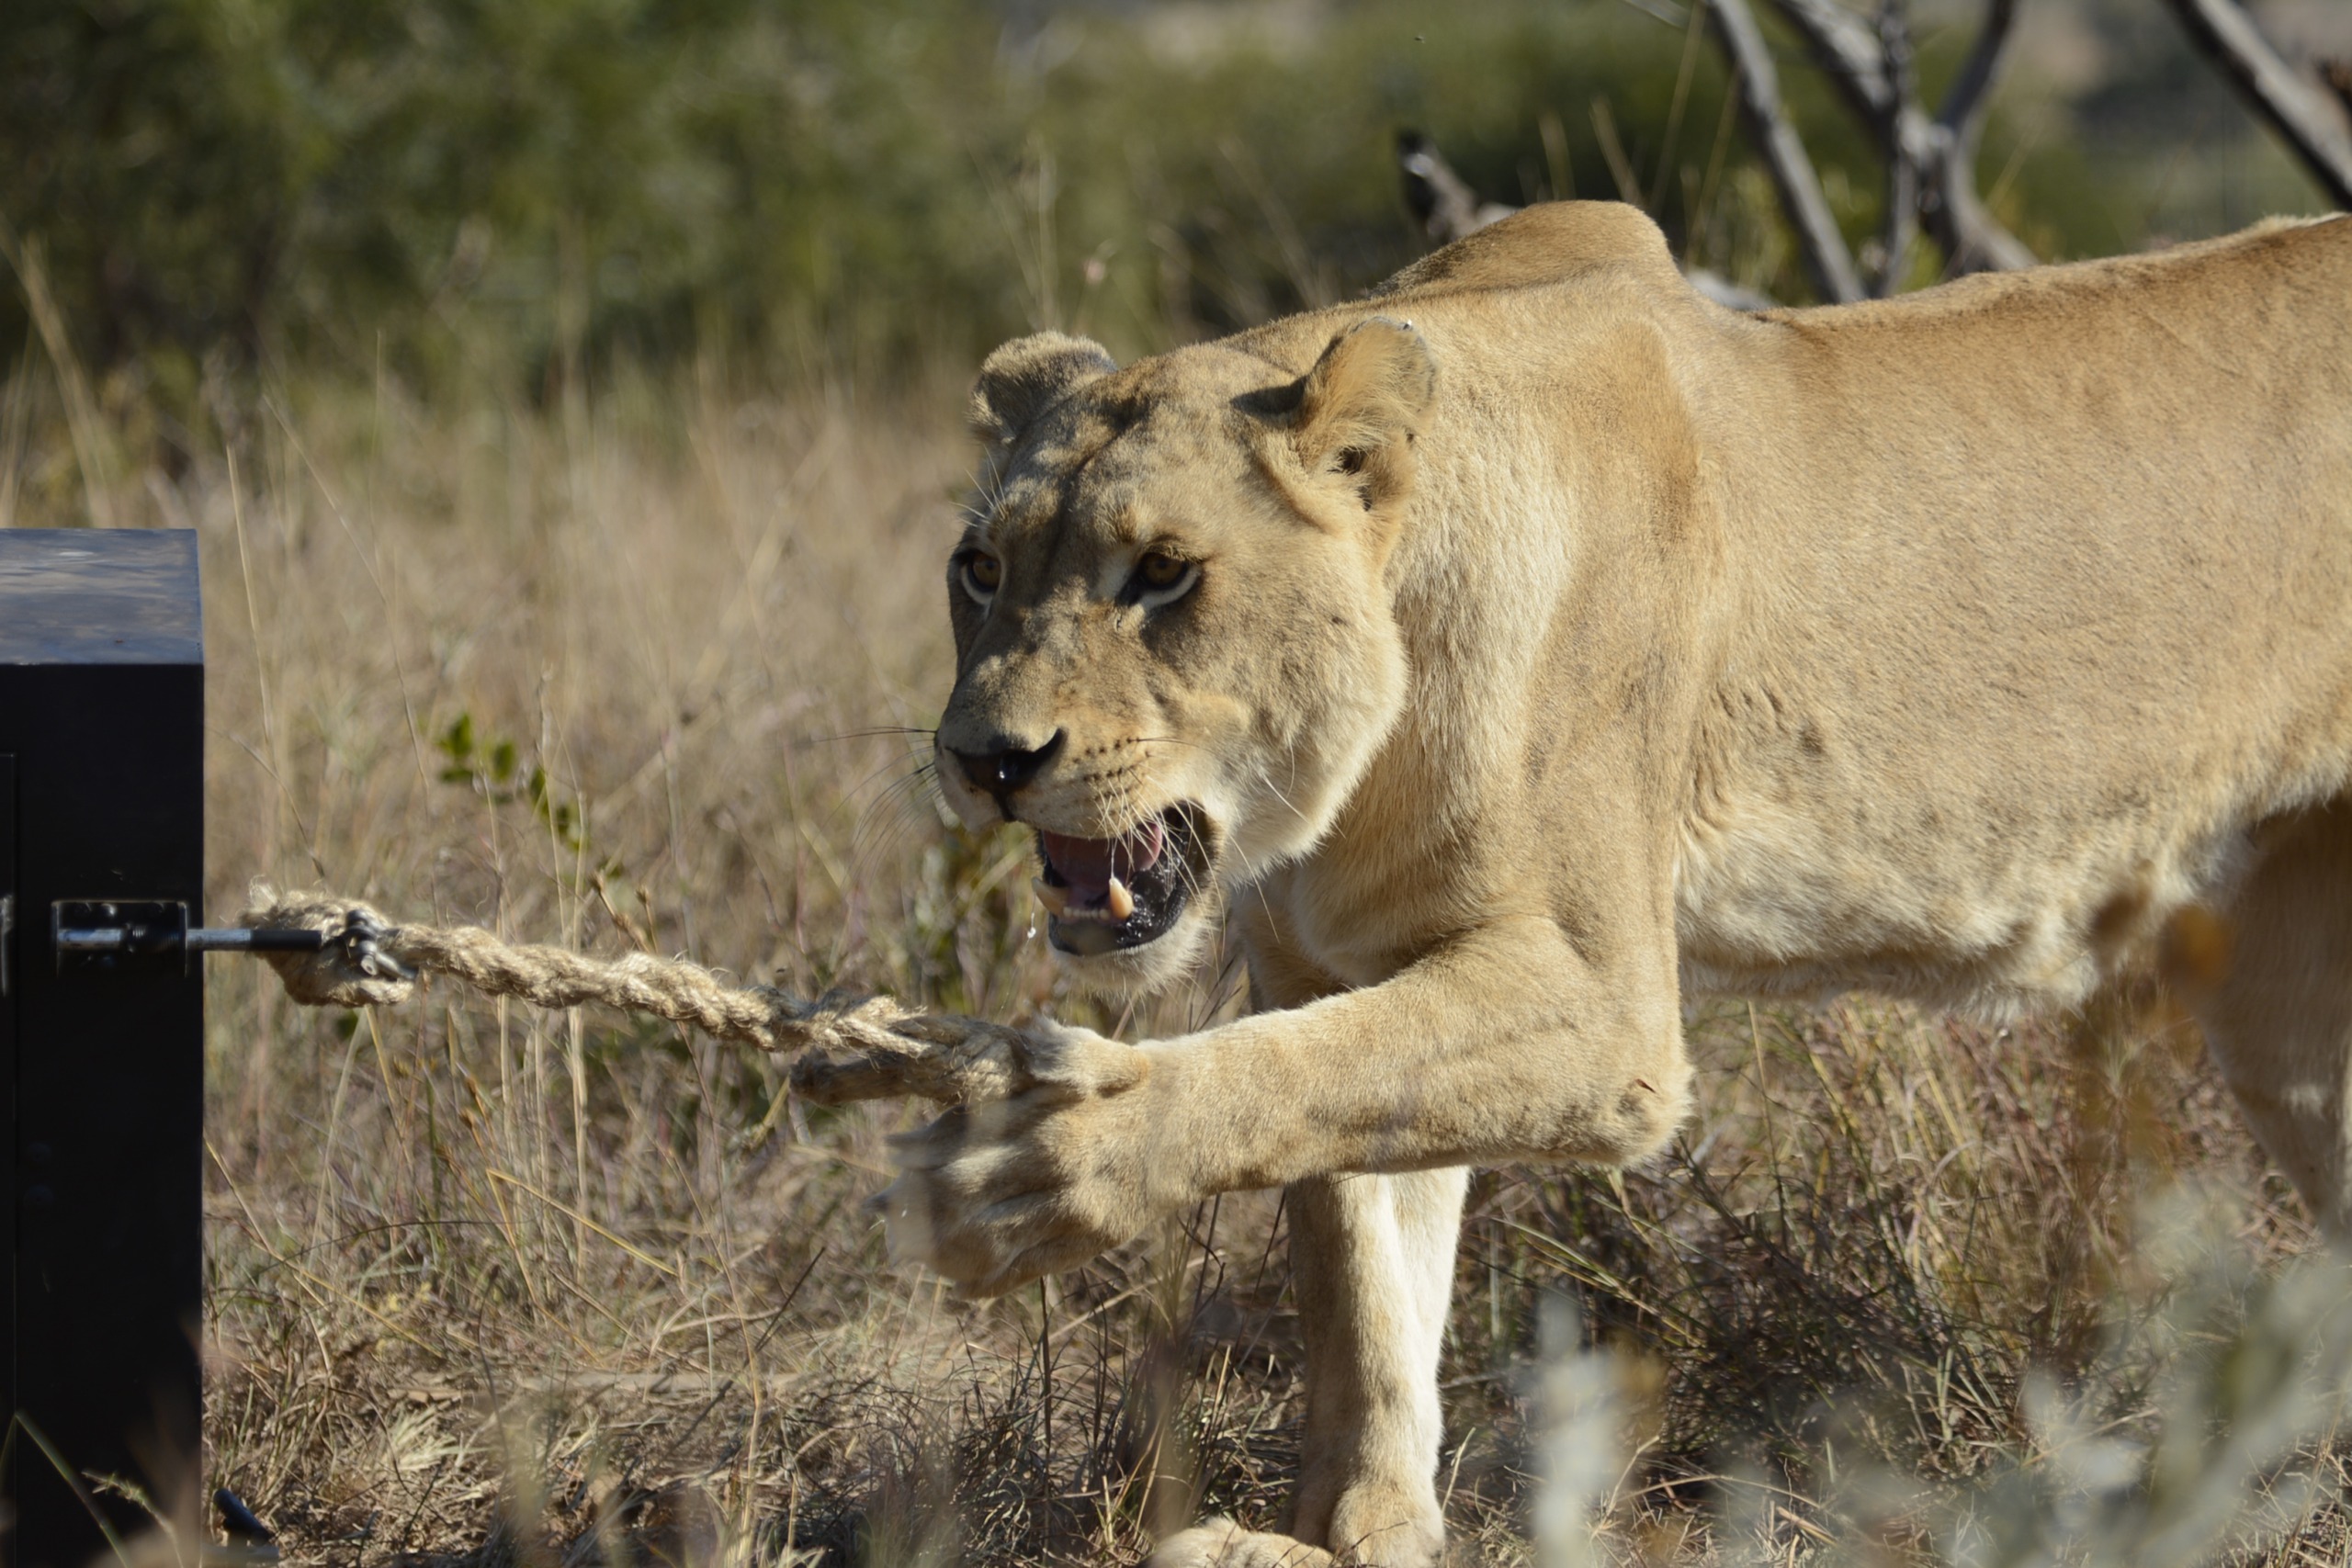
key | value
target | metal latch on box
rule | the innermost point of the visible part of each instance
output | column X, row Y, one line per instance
column 89, row 934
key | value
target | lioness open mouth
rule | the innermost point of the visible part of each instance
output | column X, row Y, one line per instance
column 1106, row 894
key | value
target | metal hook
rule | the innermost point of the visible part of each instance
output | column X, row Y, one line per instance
column 361, row 940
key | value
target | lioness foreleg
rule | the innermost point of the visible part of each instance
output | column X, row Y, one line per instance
column 1512, row 1043
column 1373, row 1258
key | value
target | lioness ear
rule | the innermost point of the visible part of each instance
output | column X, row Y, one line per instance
column 1362, row 405
column 1028, row 375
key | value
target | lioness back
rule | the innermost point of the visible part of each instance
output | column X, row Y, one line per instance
column 2103, row 513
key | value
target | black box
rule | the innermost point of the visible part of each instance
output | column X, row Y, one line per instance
column 102, row 1062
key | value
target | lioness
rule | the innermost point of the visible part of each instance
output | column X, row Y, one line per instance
column 1534, row 645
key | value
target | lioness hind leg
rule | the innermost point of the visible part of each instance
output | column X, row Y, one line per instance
column 2277, row 1016
column 1373, row 1261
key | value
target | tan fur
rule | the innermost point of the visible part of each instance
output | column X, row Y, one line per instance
column 1565, row 647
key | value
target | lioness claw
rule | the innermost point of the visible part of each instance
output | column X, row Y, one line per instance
column 955, row 1061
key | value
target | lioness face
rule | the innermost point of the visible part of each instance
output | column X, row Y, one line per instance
column 1175, row 655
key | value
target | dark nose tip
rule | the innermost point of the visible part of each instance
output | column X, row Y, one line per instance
column 1005, row 768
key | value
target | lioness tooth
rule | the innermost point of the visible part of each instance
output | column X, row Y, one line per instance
column 1122, row 902
column 1056, row 899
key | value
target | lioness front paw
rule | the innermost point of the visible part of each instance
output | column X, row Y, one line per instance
column 1388, row 1527
column 996, row 1192
column 1221, row 1543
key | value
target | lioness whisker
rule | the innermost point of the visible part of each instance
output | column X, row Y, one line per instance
column 1267, row 779
column 883, row 822
column 885, row 772
column 875, row 733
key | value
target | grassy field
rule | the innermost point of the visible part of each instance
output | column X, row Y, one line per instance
column 648, row 670
column 501, row 630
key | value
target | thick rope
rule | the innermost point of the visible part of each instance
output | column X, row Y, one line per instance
column 852, row 1047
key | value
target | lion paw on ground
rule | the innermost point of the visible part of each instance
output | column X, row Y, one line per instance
column 1221, row 1543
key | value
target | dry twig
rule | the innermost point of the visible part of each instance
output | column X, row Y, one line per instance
column 1441, row 201
column 1930, row 158
column 2296, row 109
column 1766, row 122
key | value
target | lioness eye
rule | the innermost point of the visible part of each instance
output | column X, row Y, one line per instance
column 1159, row 571
column 982, row 573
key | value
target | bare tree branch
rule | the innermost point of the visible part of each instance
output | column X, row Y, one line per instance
column 2295, row 110
column 1931, row 160
column 1442, row 199
column 1972, row 239
column 1872, row 70
column 1759, row 85
column 1849, row 53
column 1723, row 291
column 1930, row 163
column 1899, row 227
column 1968, row 97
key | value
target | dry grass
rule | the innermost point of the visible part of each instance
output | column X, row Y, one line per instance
column 491, row 1287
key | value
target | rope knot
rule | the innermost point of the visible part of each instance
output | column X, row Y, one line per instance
column 355, row 968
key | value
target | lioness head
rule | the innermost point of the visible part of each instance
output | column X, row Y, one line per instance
column 1175, row 653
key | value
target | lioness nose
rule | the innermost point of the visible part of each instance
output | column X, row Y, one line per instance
column 1005, row 768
